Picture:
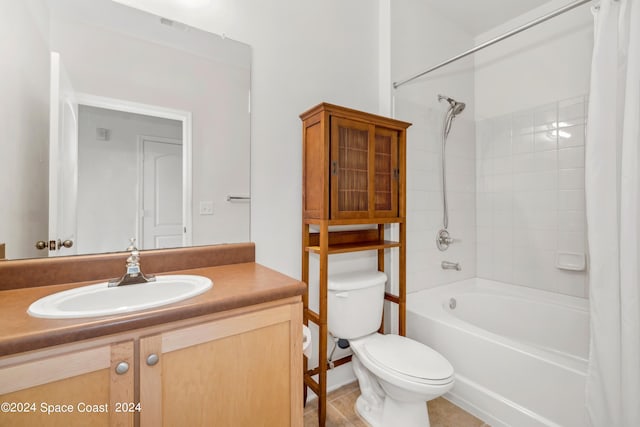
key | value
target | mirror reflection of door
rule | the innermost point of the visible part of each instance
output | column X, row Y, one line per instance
column 63, row 162
column 162, row 225
column 112, row 172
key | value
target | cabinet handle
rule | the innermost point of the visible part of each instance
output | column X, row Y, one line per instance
column 152, row 359
column 122, row 368
column 334, row 168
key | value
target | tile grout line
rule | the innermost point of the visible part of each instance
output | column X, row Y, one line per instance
column 335, row 409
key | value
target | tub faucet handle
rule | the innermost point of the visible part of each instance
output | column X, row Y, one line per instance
column 443, row 239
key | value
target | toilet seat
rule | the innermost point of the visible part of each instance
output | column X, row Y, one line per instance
column 405, row 359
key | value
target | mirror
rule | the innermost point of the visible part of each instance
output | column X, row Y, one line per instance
column 116, row 124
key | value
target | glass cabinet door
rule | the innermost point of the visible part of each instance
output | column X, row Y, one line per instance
column 364, row 161
column 386, row 173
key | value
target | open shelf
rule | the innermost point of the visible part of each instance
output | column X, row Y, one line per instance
column 355, row 247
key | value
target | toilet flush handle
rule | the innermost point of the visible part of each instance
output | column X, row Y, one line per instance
column 342, row 294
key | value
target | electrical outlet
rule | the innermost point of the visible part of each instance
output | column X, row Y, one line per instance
column 206, row 208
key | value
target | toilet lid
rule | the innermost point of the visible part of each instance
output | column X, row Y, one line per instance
column 408, row 357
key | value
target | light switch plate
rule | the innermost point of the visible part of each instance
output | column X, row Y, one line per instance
column 206, row 207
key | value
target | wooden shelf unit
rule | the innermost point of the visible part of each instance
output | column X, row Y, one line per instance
column 354, row 173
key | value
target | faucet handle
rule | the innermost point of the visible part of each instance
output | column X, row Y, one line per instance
column 132, row 245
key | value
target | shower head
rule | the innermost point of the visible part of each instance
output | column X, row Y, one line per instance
column 455, row 106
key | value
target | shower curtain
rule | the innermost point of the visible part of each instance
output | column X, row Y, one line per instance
column 612, row 185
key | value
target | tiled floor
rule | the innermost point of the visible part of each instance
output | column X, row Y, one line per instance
column 341, row 412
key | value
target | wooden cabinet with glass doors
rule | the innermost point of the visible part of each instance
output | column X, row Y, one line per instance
column 351, row 164
column 353, row 174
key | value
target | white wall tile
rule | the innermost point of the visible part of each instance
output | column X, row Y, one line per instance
column 532, row 201
column 571, row 179
column 571, row 136
column 522, row 143
column 572, row 157
column 572, row 111
column 545, row 140
column 502, row 165
column 544, row 117
column 572, row 220
column 571, row 241
column 522, row 123
column 546, row 161
column 571, row 200
column 524, row 162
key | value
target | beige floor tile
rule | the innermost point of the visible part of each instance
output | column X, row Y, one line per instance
column 334, row 418
column 346, row 405
column 443, row 413
column 345, row 389
column 341, row 411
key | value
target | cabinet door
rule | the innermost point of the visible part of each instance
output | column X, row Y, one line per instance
column 364, row 170
column 240, row 371
column 351, row 168
column 386, row 173
column 78, row 388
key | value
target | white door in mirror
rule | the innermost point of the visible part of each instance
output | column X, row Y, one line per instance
column 100, row 300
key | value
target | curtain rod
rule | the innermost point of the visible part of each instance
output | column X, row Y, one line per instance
column 488, row 43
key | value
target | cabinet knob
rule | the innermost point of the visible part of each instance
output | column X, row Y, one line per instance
column 66, row 243
column 152, row 359
column 122, row 368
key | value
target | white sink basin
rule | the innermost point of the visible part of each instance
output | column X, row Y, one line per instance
column 100, row 300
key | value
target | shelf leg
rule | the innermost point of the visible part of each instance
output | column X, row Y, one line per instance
column 402, row 281
column 322, row 358
column 305, row 300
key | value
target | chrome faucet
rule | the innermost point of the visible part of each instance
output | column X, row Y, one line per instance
column 133, row 275
column 448, row 265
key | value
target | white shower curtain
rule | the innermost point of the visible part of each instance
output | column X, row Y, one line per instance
column 612, row 183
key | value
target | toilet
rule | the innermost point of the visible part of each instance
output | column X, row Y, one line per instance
column 396, row 375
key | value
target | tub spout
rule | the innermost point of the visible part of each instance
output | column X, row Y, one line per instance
column 448, row 265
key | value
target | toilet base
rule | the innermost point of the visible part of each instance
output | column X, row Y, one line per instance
column 372, row 415
column 378, row 409
column 408, row 414
column 393, row 413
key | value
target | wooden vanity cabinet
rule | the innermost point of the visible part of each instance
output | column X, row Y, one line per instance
column 352, row 164
column 241, row 371
column 236, row 368
column 70, row 386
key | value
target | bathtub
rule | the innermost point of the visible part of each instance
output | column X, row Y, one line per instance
column 519, row 354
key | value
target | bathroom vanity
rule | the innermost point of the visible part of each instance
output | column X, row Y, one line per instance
column 230, row 356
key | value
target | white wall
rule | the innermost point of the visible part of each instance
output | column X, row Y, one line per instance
column 24, row 127
column 417, row 43
column 303, row 53
column 107, row 196
column 530, row 182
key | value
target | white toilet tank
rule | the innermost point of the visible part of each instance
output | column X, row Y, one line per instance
column 355, row 303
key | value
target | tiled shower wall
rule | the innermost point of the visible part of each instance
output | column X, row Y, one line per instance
column 424, row 195
column 530, row 196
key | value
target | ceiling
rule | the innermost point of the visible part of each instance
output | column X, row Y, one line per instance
column 478, row 16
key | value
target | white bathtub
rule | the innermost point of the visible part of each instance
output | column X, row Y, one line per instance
column 520, row 355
